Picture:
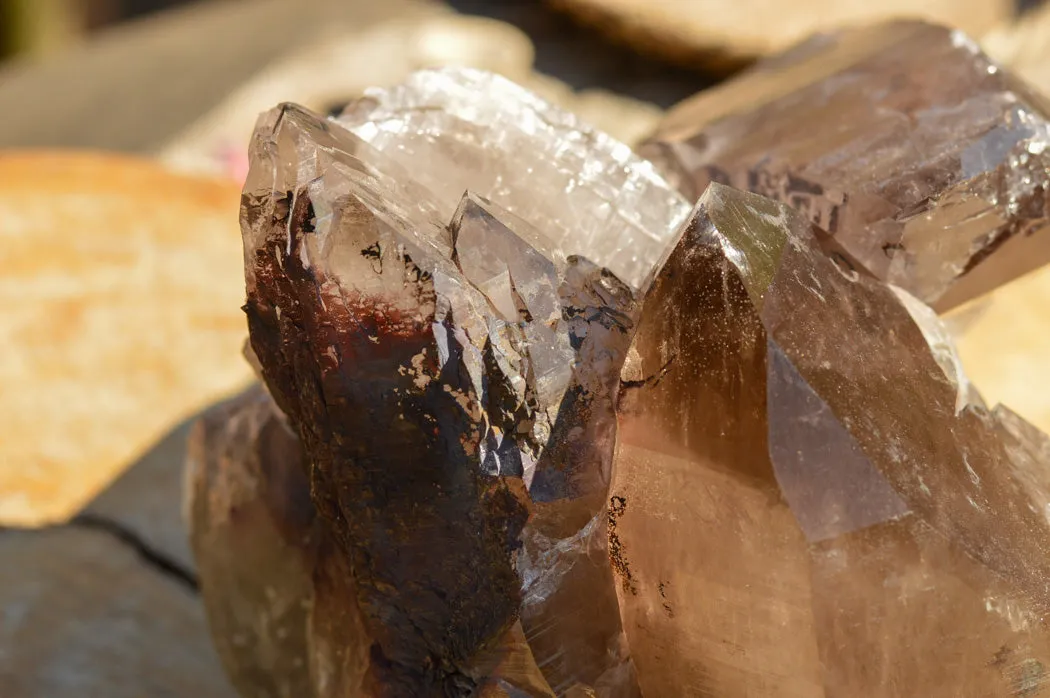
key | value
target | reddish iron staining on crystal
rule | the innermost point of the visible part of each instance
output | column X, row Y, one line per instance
column 452, row 373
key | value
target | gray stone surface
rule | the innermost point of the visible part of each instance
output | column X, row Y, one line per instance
column 138, row 85
column 83, row 614
column 146, row 500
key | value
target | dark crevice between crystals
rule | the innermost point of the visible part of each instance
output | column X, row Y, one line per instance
column 154, row 558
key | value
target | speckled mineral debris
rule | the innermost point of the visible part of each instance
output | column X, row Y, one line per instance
column 926, row 160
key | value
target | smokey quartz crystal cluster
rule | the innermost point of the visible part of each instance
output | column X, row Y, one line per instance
column 533, row 423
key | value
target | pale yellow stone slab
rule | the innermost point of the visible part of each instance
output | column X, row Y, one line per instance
column 1004, row 343
column 120, row 288
column 714, row 34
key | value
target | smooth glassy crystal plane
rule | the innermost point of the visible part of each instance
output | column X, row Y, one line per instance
column 482, row 466
column 927, row 160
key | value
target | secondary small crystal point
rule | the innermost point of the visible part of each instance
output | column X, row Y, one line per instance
column 926, row 160
column 275, row 585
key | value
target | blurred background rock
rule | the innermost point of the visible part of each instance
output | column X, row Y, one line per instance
column 669, row 26
column 46, row 26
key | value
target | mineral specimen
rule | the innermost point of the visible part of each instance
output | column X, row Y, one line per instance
column 809, row 499
column 445, row 301
column 452, row 369
column 927, row 161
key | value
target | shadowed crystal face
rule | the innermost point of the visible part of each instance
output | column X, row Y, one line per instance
column 444, row 321
column 811, row 501
column 924, row 159
column 274, row 584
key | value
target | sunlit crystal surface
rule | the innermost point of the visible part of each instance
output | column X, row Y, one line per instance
column 831, row 519
column 926, row 160
column 459, row 129
column 447, row 343
column 445, row 302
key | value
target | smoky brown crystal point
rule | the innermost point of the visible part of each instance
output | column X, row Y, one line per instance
column 811, row 504
column 924, row 158
column 275, row 584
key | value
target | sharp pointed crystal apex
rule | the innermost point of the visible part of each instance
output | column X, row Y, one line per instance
column 754, row 232
column 445, row 293
column 924, row 159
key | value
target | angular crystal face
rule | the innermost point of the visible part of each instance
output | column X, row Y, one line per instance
column 926, row 161
column 444, row 326
column 803, row 504
column 458, row 129
column 445, row 302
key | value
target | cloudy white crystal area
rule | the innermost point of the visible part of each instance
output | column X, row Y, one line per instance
column 459, row 129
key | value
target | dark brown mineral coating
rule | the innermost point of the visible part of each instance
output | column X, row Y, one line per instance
column 430, row 539
column 927, row 161
column 806, row 499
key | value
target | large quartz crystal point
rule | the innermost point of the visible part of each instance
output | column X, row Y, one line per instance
column 451, row 364
column 807, row 499
column 926, row 160
column 273, row 582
